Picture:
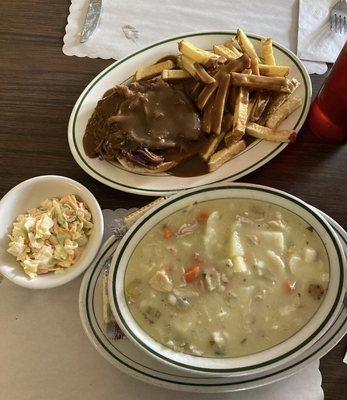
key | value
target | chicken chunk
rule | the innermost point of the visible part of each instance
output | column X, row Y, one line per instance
column 161, row 282
column 218, row 341
column 213, row 280
column 310, row 255
column 273, row 240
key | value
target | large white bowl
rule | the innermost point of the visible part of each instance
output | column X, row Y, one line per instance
column 263, row 360
column 29, row 194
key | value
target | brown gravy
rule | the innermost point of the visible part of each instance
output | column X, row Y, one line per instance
column 193, row 166
column 97, row 131
column 152, row 115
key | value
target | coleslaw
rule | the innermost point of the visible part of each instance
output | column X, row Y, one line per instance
column 50, row 238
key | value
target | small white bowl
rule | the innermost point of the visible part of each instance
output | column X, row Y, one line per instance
column 30, row 194
column 253, row 363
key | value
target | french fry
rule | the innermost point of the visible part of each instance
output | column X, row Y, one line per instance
column 196, row 90
column 179, row 61
column 206, row 94
column 234, row 46
column 282, row 112
column 213, row 66
column 223, row 51
column 255, row 66
column 219, row 103
column 280, row 98
column 227, row 122
column 196, row 70
column 273, row 70
column 211, row 146
column 249, row 49
column 246, row 44
column 203, row 75
column 250, row 108
column 261, row 100
column 261, row 82
column 262, row 132
column 232, row 137
column 188, row 65
column 268, row 56
column 240, row 114
column 153, row 70
column 196, row 54
column 174, row 74
column 276, row 101
column 232, row 97
column 221, row 60
column 224, row 155
column 293, row 84
column 238, row 65
column 207, row 115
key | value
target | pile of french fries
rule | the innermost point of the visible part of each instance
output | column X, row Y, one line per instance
column 237, row 92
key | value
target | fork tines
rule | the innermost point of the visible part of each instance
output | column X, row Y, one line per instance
column 338, row 17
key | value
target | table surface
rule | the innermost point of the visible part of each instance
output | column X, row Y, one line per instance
column 38, row 88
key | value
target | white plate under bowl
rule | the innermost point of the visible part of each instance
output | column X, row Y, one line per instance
column 259, row 362
column 255, row 155
column 124, row 355
column 30, row 194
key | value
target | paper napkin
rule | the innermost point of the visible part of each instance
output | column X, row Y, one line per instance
column 127, row 26
column 316, row 42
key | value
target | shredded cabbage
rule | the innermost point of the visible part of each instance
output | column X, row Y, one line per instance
column 50, row 237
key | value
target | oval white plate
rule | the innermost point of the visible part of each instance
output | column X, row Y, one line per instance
column 255, row 155
column 123, row 354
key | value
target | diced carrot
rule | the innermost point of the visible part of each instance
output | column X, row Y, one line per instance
column 167, row 233
column 192, row 273
column 288, row 287
column 246, row 257
column 64, row 199
column 202, row 218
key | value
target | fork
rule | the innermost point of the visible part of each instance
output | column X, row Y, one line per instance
column 338, row 17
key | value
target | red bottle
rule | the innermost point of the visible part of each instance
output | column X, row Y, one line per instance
column 328, row 115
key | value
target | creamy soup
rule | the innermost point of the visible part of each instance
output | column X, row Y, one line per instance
column 226, row 278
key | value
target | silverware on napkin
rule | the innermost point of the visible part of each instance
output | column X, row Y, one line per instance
column 92, row 19
column 338, row 17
